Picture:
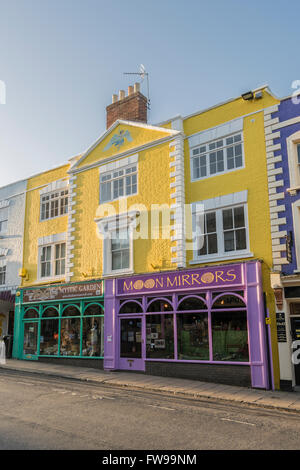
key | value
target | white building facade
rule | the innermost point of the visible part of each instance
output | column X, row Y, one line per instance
column 12, row 214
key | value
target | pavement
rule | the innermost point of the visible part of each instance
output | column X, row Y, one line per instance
column 194, row 389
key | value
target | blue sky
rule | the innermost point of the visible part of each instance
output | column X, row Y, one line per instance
column 61, row 60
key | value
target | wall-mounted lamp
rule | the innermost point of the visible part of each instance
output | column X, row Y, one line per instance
column 23, row 273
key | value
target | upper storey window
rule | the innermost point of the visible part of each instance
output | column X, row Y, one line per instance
column 54, row 204
column 218, row 156
column 118, row 183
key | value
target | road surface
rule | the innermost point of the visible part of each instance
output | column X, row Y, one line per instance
column 47, row 413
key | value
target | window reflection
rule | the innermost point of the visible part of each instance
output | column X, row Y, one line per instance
column 230, row 336
column 30, row 338
column 160, row 337
column 49, row 337
column 192, row 335
column 92, row 336
column 70, row 337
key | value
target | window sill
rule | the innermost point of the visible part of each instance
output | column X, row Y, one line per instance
column 211, row 259
column 55, row 217
column 46, row 280
column 117, row 273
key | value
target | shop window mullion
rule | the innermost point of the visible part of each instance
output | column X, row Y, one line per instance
column 60, row 307
column 39, row 330
column 209, row 302
column 175, row 306
column 81, row 327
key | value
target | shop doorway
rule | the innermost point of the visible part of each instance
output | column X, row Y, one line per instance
column 131, row 344
column 295, row 330
column 30, row 340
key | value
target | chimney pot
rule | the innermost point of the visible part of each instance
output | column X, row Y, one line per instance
column 114, row 98
column 136, row 87
column 121, row 94
column 130, row 90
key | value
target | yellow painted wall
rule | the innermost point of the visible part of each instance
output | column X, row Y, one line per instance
column 253, row 178
column 153, row 188
column 34, row 229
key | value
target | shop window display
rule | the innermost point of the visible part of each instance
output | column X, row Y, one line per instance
column 230, row 336
column 92, row 331
column 70, row 337
column 160, row 336
column 49, row 337
column 192, row 336
column 64, row 330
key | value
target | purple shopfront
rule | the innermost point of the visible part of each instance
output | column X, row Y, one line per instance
column 205, row 324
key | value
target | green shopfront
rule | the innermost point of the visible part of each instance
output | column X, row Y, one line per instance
column 60, row 323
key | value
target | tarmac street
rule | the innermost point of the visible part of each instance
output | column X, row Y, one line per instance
column 43, row 411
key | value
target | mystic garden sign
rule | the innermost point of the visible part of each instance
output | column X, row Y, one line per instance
column 63, row 292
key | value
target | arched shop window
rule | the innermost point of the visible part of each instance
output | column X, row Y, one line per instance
column 71, row 311
column 192, row 303
column 229, row 329
column 228, row 301
column 49, row 332
column 160, row 305
column 94, row 309
column 31, row 313
column 50, row 312
column 70, row 332
column 93, row 331
column 131, row 307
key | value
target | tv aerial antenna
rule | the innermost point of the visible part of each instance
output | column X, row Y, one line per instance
column 142, row 74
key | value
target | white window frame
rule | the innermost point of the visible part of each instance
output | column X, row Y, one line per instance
column 52, row 276
column 112, row 175
column 296, row 232
column 59, row 198
column 293, row 141
column 208, row 151
column 3, row 231
column 217, row 205
column 3, row 271
column 107, row 227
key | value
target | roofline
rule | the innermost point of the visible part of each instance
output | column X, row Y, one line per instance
column 230, row 100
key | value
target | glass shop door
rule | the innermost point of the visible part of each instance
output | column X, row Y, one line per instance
column 30, row 340
column 131, row 344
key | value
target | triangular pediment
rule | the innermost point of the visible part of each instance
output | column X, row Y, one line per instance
column 121, row 138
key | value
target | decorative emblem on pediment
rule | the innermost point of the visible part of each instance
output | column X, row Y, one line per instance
column 118, row 139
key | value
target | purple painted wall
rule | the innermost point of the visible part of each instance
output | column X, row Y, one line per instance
column 287, row 110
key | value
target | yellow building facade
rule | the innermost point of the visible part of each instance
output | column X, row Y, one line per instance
column 187, row 196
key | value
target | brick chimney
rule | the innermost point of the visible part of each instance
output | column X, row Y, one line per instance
column 132, row 107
